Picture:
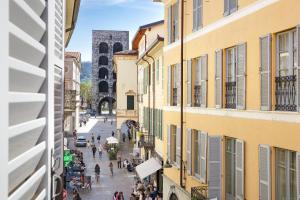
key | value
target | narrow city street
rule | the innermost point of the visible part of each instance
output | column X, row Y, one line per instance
column 122, row 180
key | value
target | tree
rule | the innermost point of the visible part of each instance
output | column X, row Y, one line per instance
column 86, row 92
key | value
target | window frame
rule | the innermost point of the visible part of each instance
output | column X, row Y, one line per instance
column 197, row 14
column 227, row 8
column 133, row 104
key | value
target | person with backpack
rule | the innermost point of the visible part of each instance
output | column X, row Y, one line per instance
column 94, row 149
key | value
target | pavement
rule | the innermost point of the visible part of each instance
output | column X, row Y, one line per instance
column 122, row 179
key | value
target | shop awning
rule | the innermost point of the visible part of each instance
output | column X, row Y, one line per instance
column 148, row 167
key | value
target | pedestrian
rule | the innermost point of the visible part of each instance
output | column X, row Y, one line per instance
column 112, row 133
column 84, row 122
column 121, row 196
column 100, row 151
column 119, row 162
column 124, row 137
column 76, row 195
column 88, row 144
column 94, row 149
column 97, row 172
column 98, row 139
column 115, row 197
column 111, row 166
column 111, row 122
column 75, row 134
column 93, row 138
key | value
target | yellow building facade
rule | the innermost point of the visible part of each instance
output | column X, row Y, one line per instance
column 241, row 98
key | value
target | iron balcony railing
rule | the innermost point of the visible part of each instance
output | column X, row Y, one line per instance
column 174, row 100
column 285, row 93
column 230, row 95
column 199, row 193
column 146, row 141
column 197, row 95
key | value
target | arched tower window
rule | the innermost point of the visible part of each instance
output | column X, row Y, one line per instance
column 103, row 47
column 103, row 73
column 117, row 47
column 103, row 60
column 103, row 86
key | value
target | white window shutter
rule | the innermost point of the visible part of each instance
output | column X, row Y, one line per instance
column 218, row 78
column 169, row 86
column 226, row 7
column 239, row 170
column 298, row 174
column 189, row 150
column 241, row 76
column 203, row 147
column 178, row 143
column 264, row 172
column 178, row 82
column 169, row 143
column 298, row 71
column 214, row 167
column 265, row 72
column 203, row 79
column 169, row 24
column 195, row 14
column 189, row 82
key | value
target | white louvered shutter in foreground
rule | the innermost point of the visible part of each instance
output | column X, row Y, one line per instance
column 241, row 76
column 189, row 150
column 189, row 82
column 169, row 87
column 27, row 166
column 218, row 78
column 264, row 173
column 239, row 170
column 169, row 24
column 203, row 79
column 214, row 167
column 203, row 146
column 178, row 142
column 298, row 174
column 298, row 71
column 265, row 72
column 178, row 82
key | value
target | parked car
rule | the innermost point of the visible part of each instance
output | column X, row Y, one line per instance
column 81, row 141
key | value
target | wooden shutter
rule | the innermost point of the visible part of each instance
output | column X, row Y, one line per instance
column 178, row 82
column 214, row 167
column 169, row 86
column 189, row 82
column 241, row 76
column 239, row 170
column 203, row 146
column 178, row 143
column 203, row 79
column 188, row 150
column 298, row 174
column 169, row 24
column 219, row 78
column 298, row 71
column 264, row 172
column 265, row 73
column 169, row 143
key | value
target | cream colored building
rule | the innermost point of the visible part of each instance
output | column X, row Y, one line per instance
column 126, row 89
column 72, row 91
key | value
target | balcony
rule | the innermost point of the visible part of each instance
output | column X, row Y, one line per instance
column 199, row 193
column 197, row 95
column 230, row 95
column 285, row 93
column 146, row 141
column 70, row 100
column 174, row 100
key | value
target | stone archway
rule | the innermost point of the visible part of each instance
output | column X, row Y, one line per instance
column 105, row 105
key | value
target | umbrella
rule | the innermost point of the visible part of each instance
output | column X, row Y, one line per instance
column 112, row 140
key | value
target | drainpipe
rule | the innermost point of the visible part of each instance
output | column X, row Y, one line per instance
column 153, row 93
column 181, row 96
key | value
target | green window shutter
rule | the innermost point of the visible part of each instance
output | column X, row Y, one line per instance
column 130, row 102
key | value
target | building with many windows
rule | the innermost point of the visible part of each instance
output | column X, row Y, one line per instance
column 238, row 138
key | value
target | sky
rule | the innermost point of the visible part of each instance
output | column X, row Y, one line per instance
column 111, row 15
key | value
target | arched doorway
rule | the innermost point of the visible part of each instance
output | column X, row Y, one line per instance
column 103, row 86
column 103, row 73
column 105, row 106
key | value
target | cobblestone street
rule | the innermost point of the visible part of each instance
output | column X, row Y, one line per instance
column 122, row 179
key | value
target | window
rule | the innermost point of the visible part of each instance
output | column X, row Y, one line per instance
column 103, row 47
column 146, row 79
column 219, row 78
column 103, row 73
column 200, row 83
column 235, row 84
column 286, row 72
column 173, row 27
column 173, row 97
column 230, row 6
column 103, row 86
column 157, row 67
column 103, row 60
column 117, row 47
column 197, row 14
column 173, row 151
column 157, row 123
column 286, row 184
column 234, row 169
